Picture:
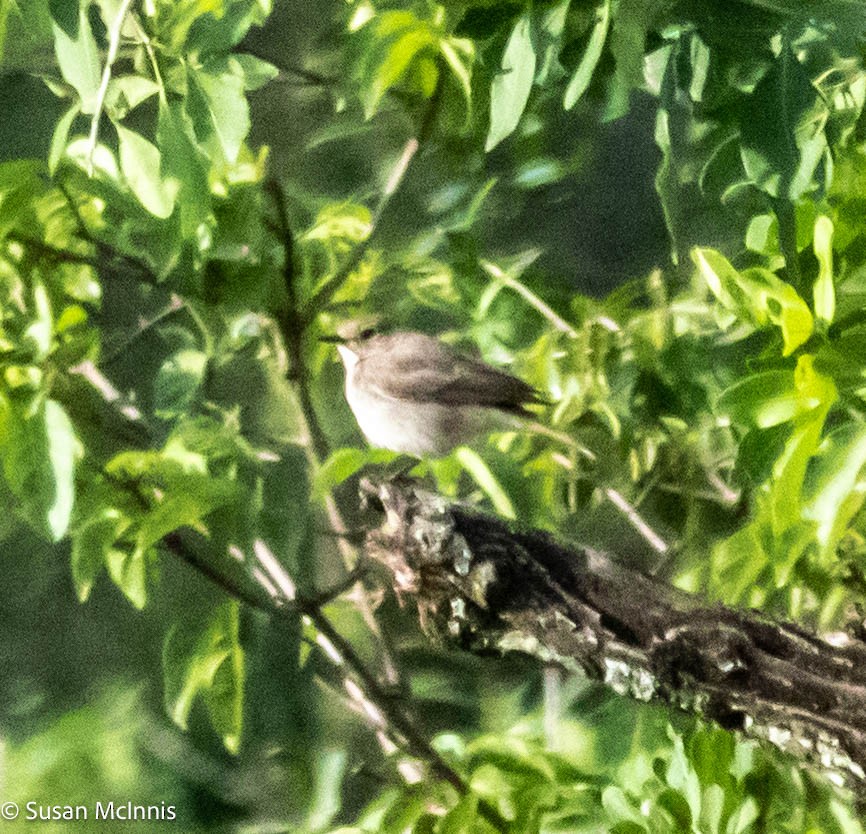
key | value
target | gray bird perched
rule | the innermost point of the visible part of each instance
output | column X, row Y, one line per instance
column 412, row 393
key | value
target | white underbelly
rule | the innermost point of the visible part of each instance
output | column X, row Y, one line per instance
column 423, row 429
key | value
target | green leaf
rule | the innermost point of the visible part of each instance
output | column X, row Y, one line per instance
column 762, row 234
column 128, row 570
column 342, row 464
column 618, row 807
column 140, row 165
column 481, row 474
column 285, row 503
column 185, row 509
column 397, row 54
column 61, row 135
column 62, row 451
column 632, row 22
column 765, row 399
column 682, row 777
column 126, row 92
column 254, row 71
column 218, row 107
column 78, row 58
column 20, row 186
column 737, row 562
column 224, row 24
column 65, row 13
column 833, row 491
column 177, row 383
column 184, row 165
column 782, row 154
column 789, row 471
column 39, row 453
column 90, row 548
column 511, row 86
column 583, row 74
column 458, row 53
column 203, row 656
column 757, row 296
column 462, row 818
column 712, row 809
column 823, row 292
column 773, row 397
column 627, row 827
column 676, row 805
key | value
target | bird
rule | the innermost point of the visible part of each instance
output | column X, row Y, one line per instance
column 413, row 394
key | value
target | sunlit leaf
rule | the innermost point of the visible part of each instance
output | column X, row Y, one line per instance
column 757, row 296
column 61, row 136
column 128, row 568
column 78, row 57
column 255, row 71
column 178, row 381
column 458, row 55
column 824, row 292
column 834, row 490
column 39, row 453
column 140, row 165
column 583, row 74
column 511, row 86
column 90, row 547
column 218, row 107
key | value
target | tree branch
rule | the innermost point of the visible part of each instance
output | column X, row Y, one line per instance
column 487, row 586
column 274, row 596
column 293, row 325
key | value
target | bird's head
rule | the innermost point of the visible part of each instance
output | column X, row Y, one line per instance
column 350, row 337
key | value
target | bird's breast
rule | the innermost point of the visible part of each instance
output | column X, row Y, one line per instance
column 419, row 428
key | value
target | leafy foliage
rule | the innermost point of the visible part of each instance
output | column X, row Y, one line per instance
column 163, row 392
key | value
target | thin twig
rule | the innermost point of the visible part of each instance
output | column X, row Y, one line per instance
column 105, row 250
column 49, row 252
column 293, row 326
column 533, row 300
column 380, row 707
column 653, row 539
column 113, row 43
column 395, row 180
column 151, row 56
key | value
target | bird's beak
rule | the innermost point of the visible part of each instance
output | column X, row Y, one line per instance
column 333, row 339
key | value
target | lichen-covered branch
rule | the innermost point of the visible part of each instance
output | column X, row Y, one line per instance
column 486, row 586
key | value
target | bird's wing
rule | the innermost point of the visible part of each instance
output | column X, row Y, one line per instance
column 421, row 368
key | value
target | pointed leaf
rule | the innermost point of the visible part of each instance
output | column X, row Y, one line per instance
column 203, row 656
column 510, row 89
column 78, row 58
column 481, row 474
column 39, row 453
column 140, row 165
column 781, row 154
column 583, row 74
column 218, row 108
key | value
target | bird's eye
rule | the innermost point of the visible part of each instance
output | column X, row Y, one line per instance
column 367, row 333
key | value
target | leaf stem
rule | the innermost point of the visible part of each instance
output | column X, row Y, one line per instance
column 113, row 43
